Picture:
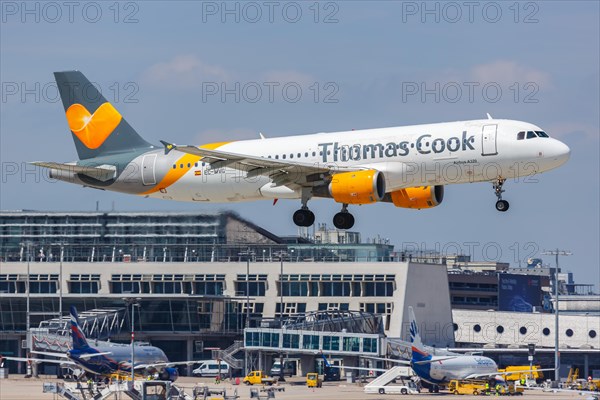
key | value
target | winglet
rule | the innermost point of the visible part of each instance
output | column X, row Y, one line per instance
column 489, row 116
column 168, row 146
column 261, row 135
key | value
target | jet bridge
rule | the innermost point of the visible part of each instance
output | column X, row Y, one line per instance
column 54, row 335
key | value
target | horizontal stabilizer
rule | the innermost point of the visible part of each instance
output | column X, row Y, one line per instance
column 92, row 355
column 102, row 172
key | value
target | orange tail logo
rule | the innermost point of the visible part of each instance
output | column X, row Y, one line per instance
column 93, row 129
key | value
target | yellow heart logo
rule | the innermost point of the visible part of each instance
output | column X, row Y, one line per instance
column 93, row 129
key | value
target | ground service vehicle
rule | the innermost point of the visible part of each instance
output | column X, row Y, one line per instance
column 259, row 378
column 467, row 387
column 313, row 380
column 516, row 372
column 408, row 388
column 212, row 368
column 288, row 368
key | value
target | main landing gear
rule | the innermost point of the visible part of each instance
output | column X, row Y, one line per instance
column 501, row 205
column 341, row 220
column 304, row 217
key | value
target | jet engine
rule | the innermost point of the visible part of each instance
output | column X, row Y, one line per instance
column 357, row 187
column 417, row 197
column 169, row 374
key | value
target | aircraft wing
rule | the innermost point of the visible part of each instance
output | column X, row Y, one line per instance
column 435, row 360
column 282, row 172
column 164, row 364
column 35, row 360
column 473, row 376
column 358, row 368
column 102, row 172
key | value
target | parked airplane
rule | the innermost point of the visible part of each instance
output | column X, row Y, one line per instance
column 406, row 166
column 440, row 370
column 112, row 359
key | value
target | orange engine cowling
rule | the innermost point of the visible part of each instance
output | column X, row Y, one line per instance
column 418, row 197
column 357, row 187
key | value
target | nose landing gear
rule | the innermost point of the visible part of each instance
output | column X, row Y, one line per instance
column 501, row 205
column 343, row 219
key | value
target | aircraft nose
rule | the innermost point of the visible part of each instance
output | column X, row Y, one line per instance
column 558, row 152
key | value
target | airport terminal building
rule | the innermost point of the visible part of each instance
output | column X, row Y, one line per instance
column 198, row 280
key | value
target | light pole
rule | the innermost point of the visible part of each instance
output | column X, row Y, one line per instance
column 60, row 301
column 281, row 254
column 556, row 253
column 134, row 303
column 248, row 253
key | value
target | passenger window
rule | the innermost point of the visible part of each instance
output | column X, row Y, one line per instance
column 283, row 156
column 521, row 135
column 531, row 134
column 277, row 157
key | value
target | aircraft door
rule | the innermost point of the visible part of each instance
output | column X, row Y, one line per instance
column 148, row 164
column 488, row 140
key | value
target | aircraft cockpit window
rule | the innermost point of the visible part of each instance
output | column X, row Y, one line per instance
column 521, row 135
column 531, row 135
column 542, row 134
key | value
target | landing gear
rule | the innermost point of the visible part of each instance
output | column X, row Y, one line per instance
column 501, row 205
column 304, row 217
column 343, row 219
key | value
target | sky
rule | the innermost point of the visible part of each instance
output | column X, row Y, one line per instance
column 200, row 72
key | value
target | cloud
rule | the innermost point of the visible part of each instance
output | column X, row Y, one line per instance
column 286, row 76
column 223, row 135
column 508, row 72
column 572, row 129
column 184, row 71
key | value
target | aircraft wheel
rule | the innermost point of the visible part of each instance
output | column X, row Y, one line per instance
column 502, row 205
column 343, row 220
column 304, row 217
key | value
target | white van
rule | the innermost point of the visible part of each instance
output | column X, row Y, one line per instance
column 211, row 368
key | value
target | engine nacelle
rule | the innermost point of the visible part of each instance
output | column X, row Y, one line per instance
column 357, row 187
column 169, row 374
column 418, row 197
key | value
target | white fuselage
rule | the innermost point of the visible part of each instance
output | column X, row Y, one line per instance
column 461, row 368
column 410, row 156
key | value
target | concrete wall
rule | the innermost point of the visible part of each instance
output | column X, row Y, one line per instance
column 534, row 323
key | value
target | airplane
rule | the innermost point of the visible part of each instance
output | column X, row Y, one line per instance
column 406, row 166
column 111, row 359
column 439, row 370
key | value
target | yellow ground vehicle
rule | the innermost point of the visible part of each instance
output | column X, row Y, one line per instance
column 313, row 380
column 510, row 373
column 467, row 387
column 259, row 378
column 511, row 390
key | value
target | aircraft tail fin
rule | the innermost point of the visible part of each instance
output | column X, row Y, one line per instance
column 96, row 125
column 79, row 340
column 418, row 349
